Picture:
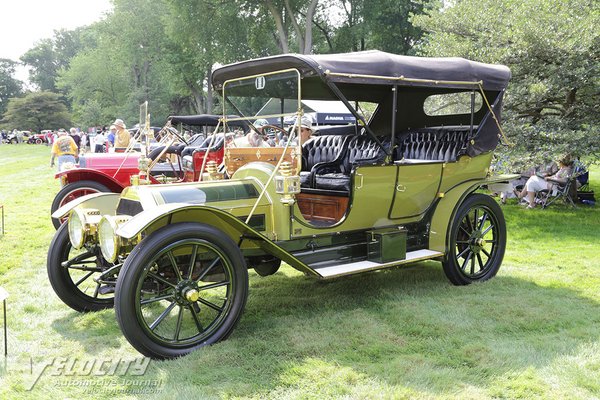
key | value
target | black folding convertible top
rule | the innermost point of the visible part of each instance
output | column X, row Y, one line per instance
column 204, row 120
column 374, row 64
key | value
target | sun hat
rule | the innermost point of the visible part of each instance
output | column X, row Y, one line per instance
column 119, row 122
column 259, row 123
column 306, row 122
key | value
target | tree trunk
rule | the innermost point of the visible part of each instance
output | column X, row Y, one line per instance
column 209, row 93
column 281, row 31
column 308, row 36
column 299, row 35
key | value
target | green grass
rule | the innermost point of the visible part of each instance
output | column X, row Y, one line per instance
column 531, row 332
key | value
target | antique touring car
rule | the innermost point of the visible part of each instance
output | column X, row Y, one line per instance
column 399, row 186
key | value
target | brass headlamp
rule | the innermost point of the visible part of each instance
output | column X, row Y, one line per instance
column 83, row 226
column 110, row 243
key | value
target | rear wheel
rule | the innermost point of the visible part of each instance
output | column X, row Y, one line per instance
column 476, row 242
column 38, row 141
column 72, row 191
column 183, row 287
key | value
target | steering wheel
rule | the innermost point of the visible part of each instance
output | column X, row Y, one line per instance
column 175, row 133
column 272, row 127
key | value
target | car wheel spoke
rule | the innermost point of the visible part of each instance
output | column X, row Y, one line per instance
column 196, row 319
column 174, row 265
column 483, row 221
column 161, row 280
column 192, row 261
column 213, row 285
column 178, row 326
column 487, row 230
column 155, row 299
column 162, row 316
column 210, row 267
column 211, row 305
column 466, row 261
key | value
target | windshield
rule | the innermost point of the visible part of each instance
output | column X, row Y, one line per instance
column 272, row 96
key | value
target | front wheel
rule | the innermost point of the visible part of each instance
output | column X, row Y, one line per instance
column 72, row 191
column 82, row 279
column 476, row 242
column 183, row 287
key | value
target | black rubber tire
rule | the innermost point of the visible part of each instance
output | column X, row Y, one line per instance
column 135, row 269
column 39, row 141
column 61, row 280
column 69, row 189
column 469, row 253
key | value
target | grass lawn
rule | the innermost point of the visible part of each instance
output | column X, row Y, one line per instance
column 531, row 332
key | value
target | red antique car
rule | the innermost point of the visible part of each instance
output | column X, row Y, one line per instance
column 111, row 172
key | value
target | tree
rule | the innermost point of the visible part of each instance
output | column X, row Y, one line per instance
column 51, row 55
column 9, row 86
column 553, row 50
column 36, row 111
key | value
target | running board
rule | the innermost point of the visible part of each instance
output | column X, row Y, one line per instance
column 363, row 266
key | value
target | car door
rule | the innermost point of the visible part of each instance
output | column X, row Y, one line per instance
column 416, row 187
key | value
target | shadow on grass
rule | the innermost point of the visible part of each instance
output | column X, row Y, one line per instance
column 404, row 328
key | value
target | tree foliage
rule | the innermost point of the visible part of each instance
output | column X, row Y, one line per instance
column 9, row 86
column 51, row 55
column 553, row 50
column 36, row 111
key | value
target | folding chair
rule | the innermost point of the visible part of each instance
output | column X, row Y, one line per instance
column 561, row 190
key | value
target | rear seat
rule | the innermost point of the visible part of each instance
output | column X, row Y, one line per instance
column 431, row 144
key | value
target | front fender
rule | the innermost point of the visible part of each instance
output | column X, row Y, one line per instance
column 448, row 205
column 86, row 174
column 106, row 203
column 153, row 219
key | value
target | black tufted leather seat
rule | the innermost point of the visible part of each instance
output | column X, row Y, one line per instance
column 361, row 150
column 435, row 145
column 317, row 151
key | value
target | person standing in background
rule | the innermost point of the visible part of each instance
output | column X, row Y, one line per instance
column 99, row 142
column 122, row 136
column 64, row 148
column 76, row 138
column 111, row 135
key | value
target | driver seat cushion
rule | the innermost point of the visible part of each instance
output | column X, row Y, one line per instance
column 319, row 150
column 361, row 150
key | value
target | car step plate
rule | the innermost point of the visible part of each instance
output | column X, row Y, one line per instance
column 363, row 266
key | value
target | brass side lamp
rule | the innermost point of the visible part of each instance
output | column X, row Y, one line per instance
column 287, row 184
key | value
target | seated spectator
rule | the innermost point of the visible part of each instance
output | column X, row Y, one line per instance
column 543, row 181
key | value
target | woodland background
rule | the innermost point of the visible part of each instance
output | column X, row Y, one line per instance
column 163, row 51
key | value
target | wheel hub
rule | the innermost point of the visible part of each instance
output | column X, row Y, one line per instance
column 477, row 242
column 186, row 292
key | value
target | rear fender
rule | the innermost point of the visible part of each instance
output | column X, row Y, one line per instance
column 447, row 207
column 153, row 219
column 106, row 203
